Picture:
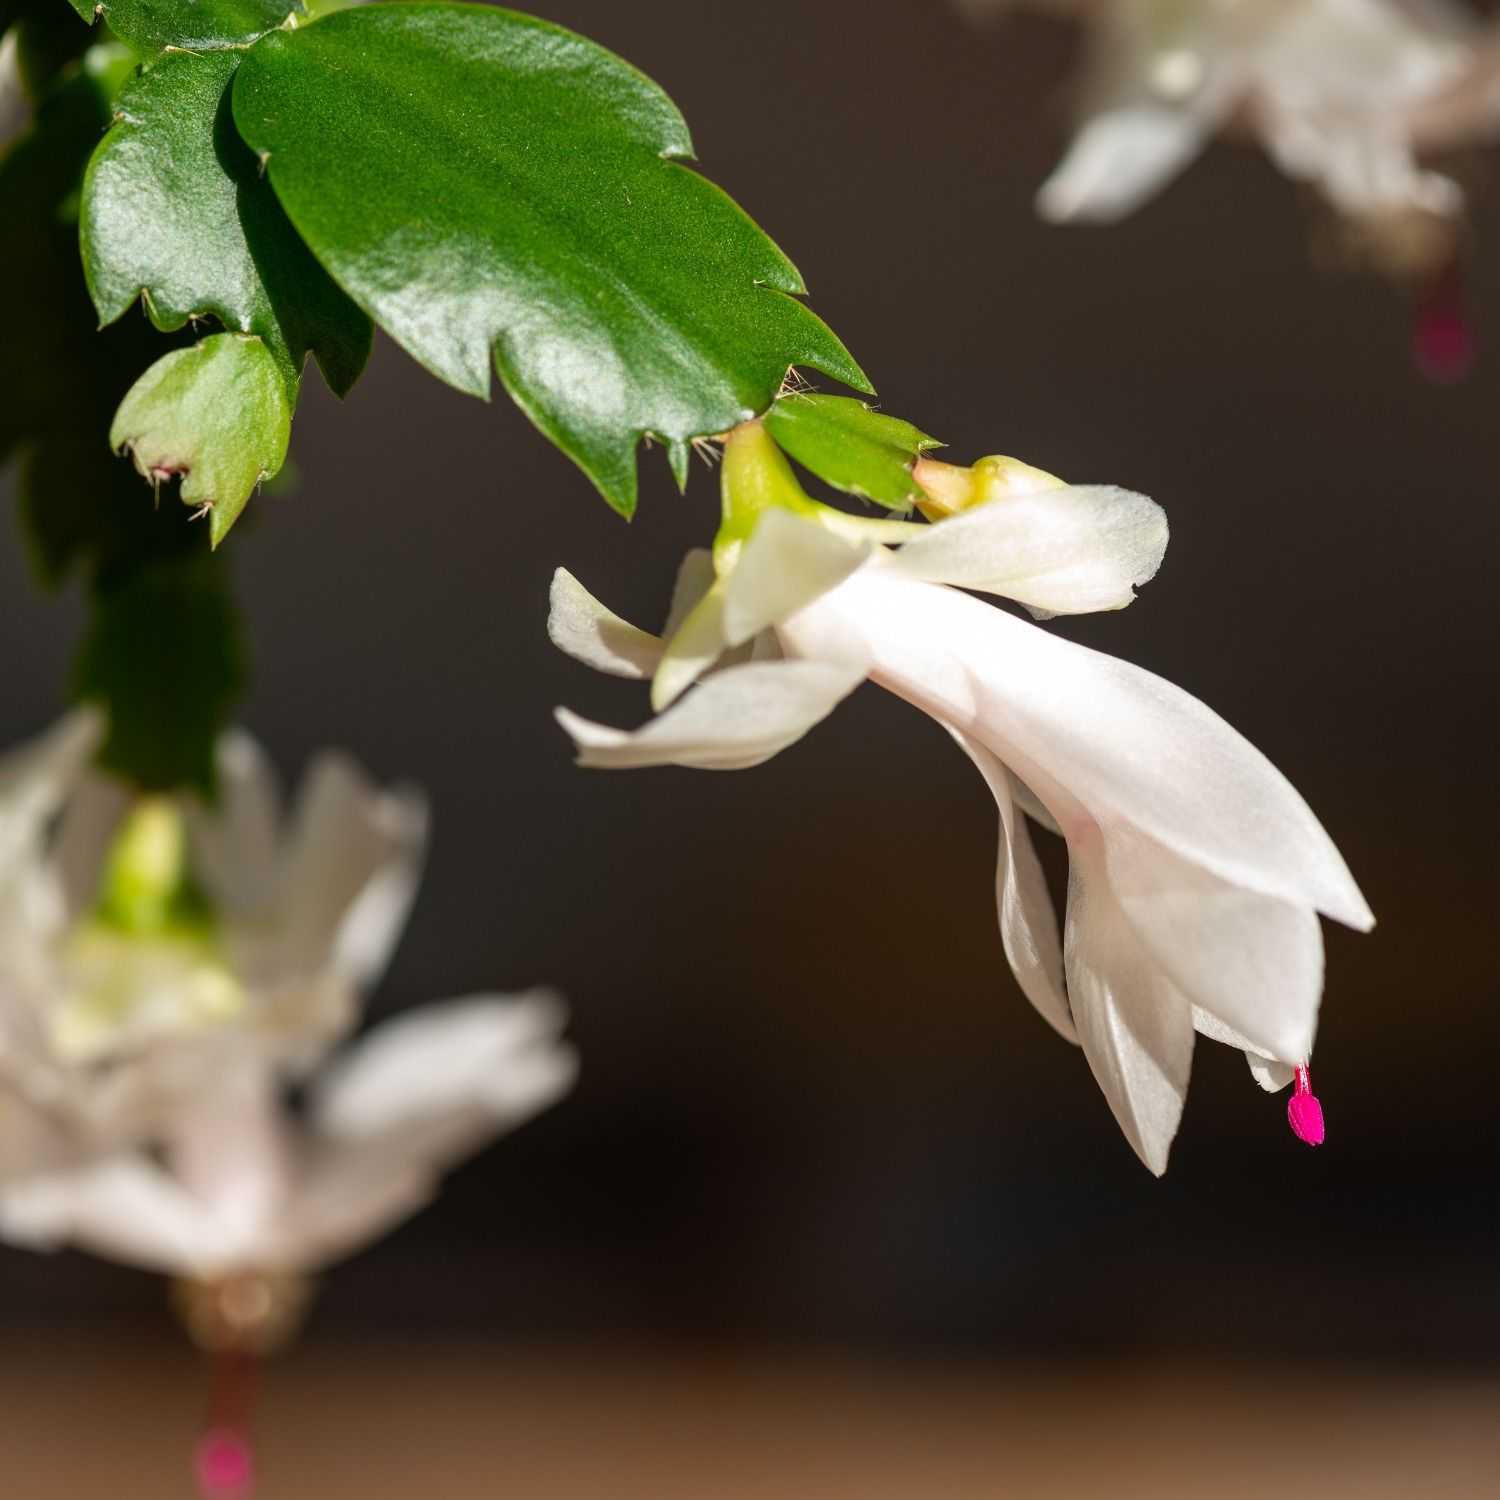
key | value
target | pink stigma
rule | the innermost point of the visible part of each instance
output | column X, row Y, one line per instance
column 1443, row 341
column 223, row 1465
column 1303, row 1112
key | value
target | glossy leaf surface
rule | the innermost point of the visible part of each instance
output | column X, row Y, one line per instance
column 850, row 446
column 198, row 25
column 489, row 186
column 176, row 209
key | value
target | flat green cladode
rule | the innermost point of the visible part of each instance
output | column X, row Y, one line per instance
column 177, row 213
column 216, row 415
column 851, row 446
column 149, row 26
column 493, row 189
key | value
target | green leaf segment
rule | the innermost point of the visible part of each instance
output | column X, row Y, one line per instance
column 149, row 26
column 215, row 414
column 489, row 186
column 850, row 446
column 499, row 194
column 163, row 652
column 176, row 210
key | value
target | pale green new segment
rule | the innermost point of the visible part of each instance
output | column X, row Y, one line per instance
column 487, row 185
column 852, row 447
column 215, row 414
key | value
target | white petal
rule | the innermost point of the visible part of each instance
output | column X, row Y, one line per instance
column 737, row 718
column 31, row 1141
column 347, row 1198
column 1064, row 551
column 502, row 1057
column 1254, row 961
column 37, row 777
column 695, row 577
column 1135, row 1025
column 1271, row 1075
column 1266, row 1071
column 1118, row 160
column 236, row 844
column 1028, row 923
column 89, row 821
column 124, row 1208
column 352, row 870
column 693, row 650
column 411, row 1099
column 229, row 1145
column 787, row 563
column 588, row 632
column 1086, row 731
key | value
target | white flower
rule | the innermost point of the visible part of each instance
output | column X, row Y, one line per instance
column 1196, row 871
column 1345, row 94
column 168, row 970
column 141, row 941
column 236, row 1184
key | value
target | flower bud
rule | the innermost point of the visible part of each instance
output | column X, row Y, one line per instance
column 951, row 489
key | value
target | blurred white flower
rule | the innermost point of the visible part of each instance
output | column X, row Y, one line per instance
column 1196, row 870
column 145, row 941
column 237, row 1184
column 168, row 970
column 1348, row 95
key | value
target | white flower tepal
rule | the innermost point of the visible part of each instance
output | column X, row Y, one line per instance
column 168, row 969
column 1196, row 870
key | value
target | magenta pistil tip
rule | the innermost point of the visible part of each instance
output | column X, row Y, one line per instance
column 1303, row 1112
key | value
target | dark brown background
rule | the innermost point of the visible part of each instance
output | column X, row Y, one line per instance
column 814, row 1108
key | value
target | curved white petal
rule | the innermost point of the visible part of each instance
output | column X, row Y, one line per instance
column 36, row 777
column 694, row 648
column 737, row 718
column 236, row 844
column 1253, row 961
column 86, row 826
column 407, row 1102
column 347, row 1199
column 1028, row 923
column 1119, row 159
column 350, row 873
column 124, row 1208
column 1125, row 746
column 1136, row 1027
column 229, row 1146
column 695, row 577
column 580, row 625
column 502, row 1058
column 1064, row 551
column 786, row 564
column 1266, row 1071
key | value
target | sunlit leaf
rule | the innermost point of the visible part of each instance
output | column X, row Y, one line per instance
column 176, row 209
column 490, row 187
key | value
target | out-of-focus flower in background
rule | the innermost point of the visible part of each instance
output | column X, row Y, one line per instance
column 168, row 971
column 1355, row 97
column 1196, row 870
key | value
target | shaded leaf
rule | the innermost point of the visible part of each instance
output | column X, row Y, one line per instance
column 489, row 186
column 175, row 208
column 164, row 657
column 851, row 447
column 216, row 415
column 200, row 25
